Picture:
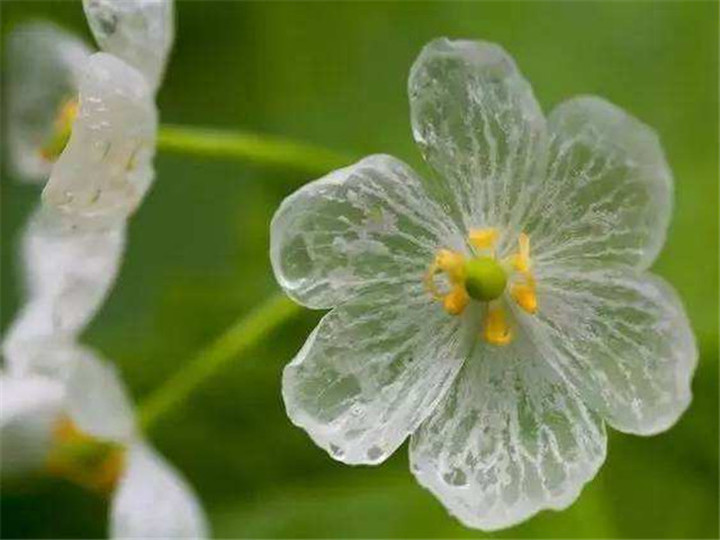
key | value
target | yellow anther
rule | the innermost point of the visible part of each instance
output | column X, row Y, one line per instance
column 84, row 459
column 483, row 238
column 496, row 331
column 453, row 264
column 524, row 295
column 60, row 135
column 456, row 300
column 521, row 261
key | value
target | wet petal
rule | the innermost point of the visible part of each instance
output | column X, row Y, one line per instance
column 154, row 501
column 509, row 439
column 29, row 407
column 106, row 166
column 372, row 370
column 44, row 66
column 68, row 274
column 623, row 340
column 479, row 126
column 96, row 399
column 608, row 193
column 367, row 225
column 141, row 32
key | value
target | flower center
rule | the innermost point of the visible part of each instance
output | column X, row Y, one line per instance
column 60, row 135
column 485, row 278
column 83, row 459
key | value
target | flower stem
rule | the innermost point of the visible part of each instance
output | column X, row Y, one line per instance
column 240, row 337
column 254, row 147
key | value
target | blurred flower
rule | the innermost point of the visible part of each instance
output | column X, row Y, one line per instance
column 44, row 68
column 90, row 121
column 106, row 167
column 140, row 32
column 498, row 314
column 72, row 418
column 67, row 275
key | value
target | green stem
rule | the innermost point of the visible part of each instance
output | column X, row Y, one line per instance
column 240, row 337
column 262, row 149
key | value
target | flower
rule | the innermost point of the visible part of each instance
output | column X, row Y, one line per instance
column 89, row 121
column 68, row 274
column 499, row 313
column 73, row 420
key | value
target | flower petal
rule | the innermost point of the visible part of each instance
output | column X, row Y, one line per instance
column 96, row 399
column 154, row 501
column 608, row 194
column 509, row 439
column 364, row 226
column 623, row 340
column 68, row 274
column 479, row 126
column 141, row 32
column 29, row 406
column 106, row 166
column 44, row 65
column 372, row 370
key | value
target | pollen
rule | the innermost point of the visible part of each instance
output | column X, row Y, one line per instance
column 83, row 459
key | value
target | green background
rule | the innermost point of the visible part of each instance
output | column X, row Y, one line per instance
column 335, row 74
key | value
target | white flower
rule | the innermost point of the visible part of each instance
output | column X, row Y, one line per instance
column 106, row 167
column 90, row 121
column 140, row 32
column 499, row 313
column 67, row 275
column 74, row 420
column 44, row 67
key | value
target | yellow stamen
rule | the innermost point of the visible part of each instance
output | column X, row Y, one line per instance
column 524, row 295
column 84, row 459
column 60, row 135
column 453, row 264
column 496, row 331
column 483, row 238
column 521, row 261
column 456, row 300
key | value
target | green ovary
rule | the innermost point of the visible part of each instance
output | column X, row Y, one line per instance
column 485, row 279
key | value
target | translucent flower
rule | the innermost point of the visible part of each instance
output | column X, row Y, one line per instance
column 498, row 314
column 90, row 122
column 74, row 420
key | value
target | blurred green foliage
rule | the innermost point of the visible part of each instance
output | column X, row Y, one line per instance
column 335, row 74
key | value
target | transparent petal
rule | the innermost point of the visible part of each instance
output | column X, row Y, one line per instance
column 372, row 370
column 67, row 273
column 106, row 167
column 479, row 126
column 608, row 193
column 96, row 399
column 29, row 407
column 44, row 64
column 623, row 339
column 154, row 501
column 510, row 439
column 141, row 32
column 367, row 225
